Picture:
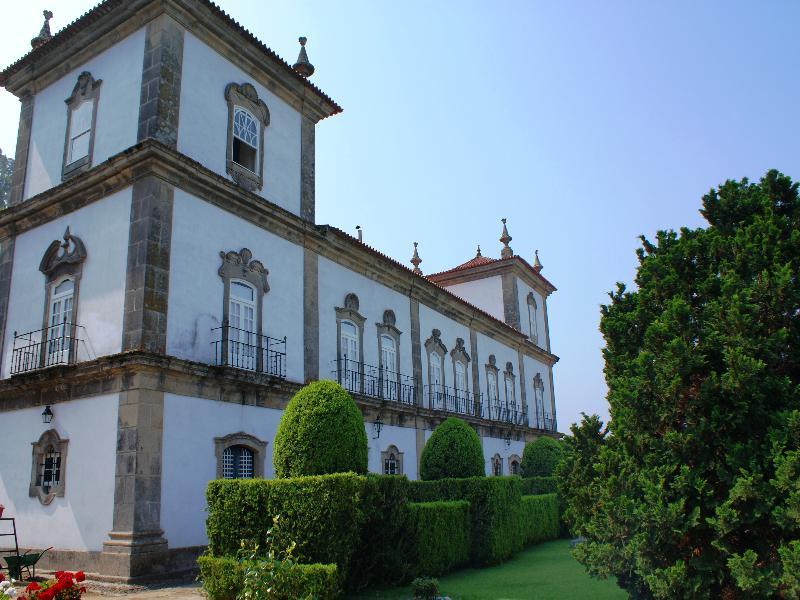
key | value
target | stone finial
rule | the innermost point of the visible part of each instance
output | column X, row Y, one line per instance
column 44, row 35
column 416, row 260
column 537, row 265
column 506, row 252
column 303, row 67
column 478, row 253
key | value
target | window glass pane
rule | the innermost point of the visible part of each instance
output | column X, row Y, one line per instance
column 81, row 119
column 79, row 146
column 242, row 290
column 244, row 155
column 245, row 462
column 348, row 329
column 65, row 286
column 245, row 127
column 228, row 471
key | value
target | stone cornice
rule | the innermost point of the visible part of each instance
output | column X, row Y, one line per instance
column 153, row 158
column 143, row 370
column 113, row 20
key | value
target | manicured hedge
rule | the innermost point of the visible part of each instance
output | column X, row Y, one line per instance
column 539, row 518
column 532, row 486
column 441, row 534
column 495, row 506
column 541, row 457
column 321, row 431
column 322, row 514
column 223, row 578
column 453, row 450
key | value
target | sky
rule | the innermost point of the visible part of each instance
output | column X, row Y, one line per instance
column 584, row 123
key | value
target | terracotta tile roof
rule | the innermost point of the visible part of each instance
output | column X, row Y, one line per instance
column 480, row 261
column 109, row 6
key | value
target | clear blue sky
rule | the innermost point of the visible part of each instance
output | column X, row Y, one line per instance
column 584, row 123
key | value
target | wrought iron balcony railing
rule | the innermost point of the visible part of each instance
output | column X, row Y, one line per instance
column 375, row 382
column 508, row 413
column 446, row 399
column 54, row 345
column 242, row 349
column 543, row 421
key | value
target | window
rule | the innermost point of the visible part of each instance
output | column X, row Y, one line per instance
column 513, row 465
column 436, row 379
column 533, row 324
column 237, row 463
column 350, row 352
column 492, row 389
column 389, row 345
column 436, row 373
column 81, row 120
column 239, row 456
column 388, row 374
column 538, row 396
column 247, row 118
column 392, row 461
column 240, row 340
column 48, row 470
column 60, row 322
column 510, row 391
column 460, row 381
column 497, row 466
column 245, row 139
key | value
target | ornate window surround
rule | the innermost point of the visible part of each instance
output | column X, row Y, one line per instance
column 434, row 345
column 497, row 465
column 392, row 449
column 62, row 260
column 511, row 460
column 246, row 96
column 240, row 265
column 533, row 325
column 349, row 312
column 459, row 354
column 388, row 328
column 491, row 367
column 257, row 446
column 508, row 375
column 538, row 401
column 86, row 88
column 47, row 439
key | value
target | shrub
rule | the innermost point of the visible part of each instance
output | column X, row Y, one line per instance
column 322, row 514
column 224, row 577
column 494, row 512
column 539, row 516
column 441, row 535
column 453, row 450
column 384, row 550
column 532, row 486
column 321, row 431
column 541, row 457
column 425, row 588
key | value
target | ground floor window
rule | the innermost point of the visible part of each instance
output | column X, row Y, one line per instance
column 237, row 463
column 392, row 460
column 497, row 465
column 240, row 456
column 48, row 471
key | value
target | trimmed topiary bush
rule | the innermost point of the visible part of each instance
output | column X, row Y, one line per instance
column 321, row 431
column 541, row 457
column 453, row 450
column 441, row 532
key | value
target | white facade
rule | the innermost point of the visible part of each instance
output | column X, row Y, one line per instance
column 486, row 294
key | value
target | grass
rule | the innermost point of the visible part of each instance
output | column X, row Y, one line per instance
column 544, row 572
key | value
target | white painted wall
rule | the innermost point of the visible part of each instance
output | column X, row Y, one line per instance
column 204, row 123
column 189, row 462
column 492, row 446
column 200, row 231
column 103, row 226
column 486, row 294
column 81, row 519
column 404, row 438
column 335, row 282
column 120, row 68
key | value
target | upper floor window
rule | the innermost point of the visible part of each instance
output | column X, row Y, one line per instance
column 60, row 322
column 510, row 388
column 248, row 116
column 389, row 346
column 349, row 341
column 436, row 351
column 460, row 362
column 242, row 340
column 350, row 352
column 533, row 324
column 492, row 388
column 81, row 121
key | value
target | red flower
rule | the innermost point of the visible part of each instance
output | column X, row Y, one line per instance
column 82, row 590
column 46, row 594
column 2, row 577
column 80, row 576
column 32, row 587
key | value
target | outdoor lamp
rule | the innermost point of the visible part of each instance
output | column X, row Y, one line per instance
column 377, row 425
column 47, row 415
column 508, row 439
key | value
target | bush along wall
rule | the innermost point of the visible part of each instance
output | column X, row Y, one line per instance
column 540, row 520
column 495, row 512
column 532, row 486
column 441, row 534
column 223, row 579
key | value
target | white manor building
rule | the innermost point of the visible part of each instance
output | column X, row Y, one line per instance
column 165, row 290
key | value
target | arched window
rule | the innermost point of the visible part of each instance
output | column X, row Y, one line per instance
column 436, row 351
column 514, row 467
column 388, row 361
column 497, row 465
column 242, row 336
column 533, row 324
column 436, row 373
column 59, row 321
column 492, row 390
column 461, row 360
column 237, row 463
column 49, row 469
column 245, row 139
column 461, row 385
column 511, row 393
column 81, row 118
column 49, row 465
column 392, row 461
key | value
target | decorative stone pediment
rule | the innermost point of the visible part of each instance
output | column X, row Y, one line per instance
column 246, row 95
column 84, row 88
column 240, row 265
column 434, row 343
column 63, row 256
column 459, row 353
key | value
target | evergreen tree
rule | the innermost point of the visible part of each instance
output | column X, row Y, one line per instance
column 6, row 168
column 695, row 492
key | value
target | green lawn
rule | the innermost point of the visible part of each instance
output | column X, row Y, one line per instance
column 544, row 572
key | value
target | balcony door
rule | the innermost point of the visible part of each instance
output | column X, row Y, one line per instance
column 60, row 323
column 388, row 365
column 437, row 380
column 350, row 376
column 242, row 337
column 461, row 387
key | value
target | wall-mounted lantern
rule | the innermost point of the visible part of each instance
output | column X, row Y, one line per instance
column 508, row 439
column 47, row 415
column 377, row 426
